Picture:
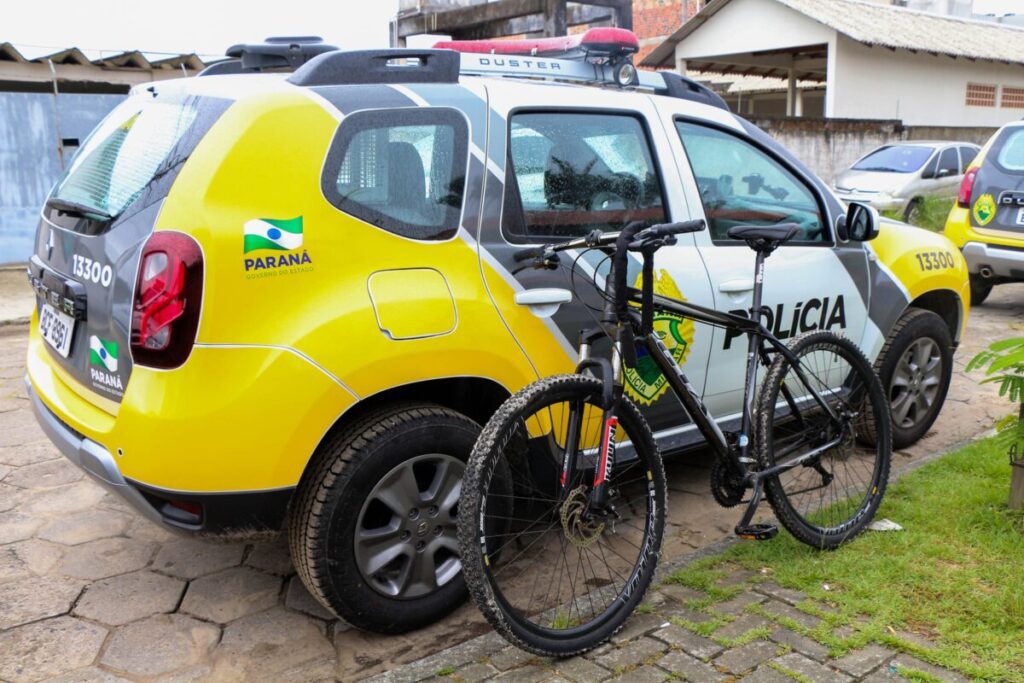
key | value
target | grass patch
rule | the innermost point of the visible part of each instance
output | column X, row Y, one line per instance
column 955, row 575
column 445, row 671
column 931, row 213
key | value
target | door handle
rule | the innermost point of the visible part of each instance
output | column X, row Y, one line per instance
column 736, row 286
column 543, row 302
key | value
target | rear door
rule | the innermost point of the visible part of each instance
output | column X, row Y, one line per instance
column 579, row 160
column 947, row 173
column 92, row 229
column 997, row 202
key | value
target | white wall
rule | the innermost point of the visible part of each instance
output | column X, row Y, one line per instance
column 922, row 90
column 745, row 26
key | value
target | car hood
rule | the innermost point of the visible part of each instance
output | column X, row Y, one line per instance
column 872, row 181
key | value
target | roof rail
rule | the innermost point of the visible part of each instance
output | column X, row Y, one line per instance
column 400, row 65
column 282, row 53
column 689, row 89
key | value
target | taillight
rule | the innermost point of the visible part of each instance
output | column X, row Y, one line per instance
column 963, row 199
column 168, row 294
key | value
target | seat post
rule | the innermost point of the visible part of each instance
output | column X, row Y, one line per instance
column 755, row 304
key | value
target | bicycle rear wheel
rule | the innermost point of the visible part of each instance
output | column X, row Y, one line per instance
column 833, row 496
column 549, row 576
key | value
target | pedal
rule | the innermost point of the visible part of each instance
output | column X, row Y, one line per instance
column 757, row 532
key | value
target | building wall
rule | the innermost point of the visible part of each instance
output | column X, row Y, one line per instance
column 656, row 20
column 830, row 146
column 919, row 89
column 29, row 162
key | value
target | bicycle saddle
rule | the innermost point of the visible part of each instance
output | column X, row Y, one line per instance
column 764, row 237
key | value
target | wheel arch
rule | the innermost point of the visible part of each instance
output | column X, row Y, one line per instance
column 946, row 304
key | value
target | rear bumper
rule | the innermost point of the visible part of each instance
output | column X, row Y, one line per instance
column 227, row 514
column 1004, row 262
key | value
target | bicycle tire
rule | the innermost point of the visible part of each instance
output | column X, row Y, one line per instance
column 843, row 511
column 491, row 455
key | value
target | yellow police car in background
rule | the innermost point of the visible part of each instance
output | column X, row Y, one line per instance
column 271, row 300
column 987, row 222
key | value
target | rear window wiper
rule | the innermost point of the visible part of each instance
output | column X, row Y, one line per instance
column 75, row 209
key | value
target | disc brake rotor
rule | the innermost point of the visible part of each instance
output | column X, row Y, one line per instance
column 579, row 528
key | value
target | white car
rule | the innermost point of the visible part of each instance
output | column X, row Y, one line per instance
column 898, row 177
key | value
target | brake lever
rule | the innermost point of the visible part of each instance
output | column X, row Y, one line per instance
column 549, row 261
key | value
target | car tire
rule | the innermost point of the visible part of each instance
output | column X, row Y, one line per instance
column 916, row 389
column 980, row 289
column 341, row 500
column 913, row 210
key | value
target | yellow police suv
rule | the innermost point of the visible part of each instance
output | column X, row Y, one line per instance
column 289, row 300
column 987, row 221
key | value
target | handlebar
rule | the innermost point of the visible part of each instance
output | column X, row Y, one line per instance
column 604, row 239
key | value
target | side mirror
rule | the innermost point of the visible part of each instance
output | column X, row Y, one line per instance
column 861, row 222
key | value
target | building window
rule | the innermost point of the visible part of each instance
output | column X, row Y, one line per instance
column 981, row 95
column 1013, row 98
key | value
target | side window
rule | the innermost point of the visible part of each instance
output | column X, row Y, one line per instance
column 402, row 170
column 949, row 162
column 741, row 185
column 571, row 173
column 967, row 155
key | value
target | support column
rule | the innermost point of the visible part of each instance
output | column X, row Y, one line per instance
column 555, row 23
column 791, row 93
column 798, row 106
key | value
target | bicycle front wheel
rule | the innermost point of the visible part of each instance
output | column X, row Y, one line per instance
column 551, row 576
column 833, row 493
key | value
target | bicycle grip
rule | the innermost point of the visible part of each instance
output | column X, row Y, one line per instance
column 529, row 253
column 683, row 227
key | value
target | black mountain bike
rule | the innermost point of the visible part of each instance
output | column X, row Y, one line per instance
column 563, row 500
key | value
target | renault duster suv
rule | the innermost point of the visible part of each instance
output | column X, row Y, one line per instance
column 271, row 301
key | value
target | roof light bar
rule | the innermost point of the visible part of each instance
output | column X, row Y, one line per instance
column 597, row 46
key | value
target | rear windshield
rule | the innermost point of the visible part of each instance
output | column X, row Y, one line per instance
column 895, row 159
column 124, row 153
column 1011, row 151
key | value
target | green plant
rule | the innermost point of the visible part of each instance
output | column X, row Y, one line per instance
column 1004, row 365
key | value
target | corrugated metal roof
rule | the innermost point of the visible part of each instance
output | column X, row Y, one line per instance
column 132, row 59
column 884, row 26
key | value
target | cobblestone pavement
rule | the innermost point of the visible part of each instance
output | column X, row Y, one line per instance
column 91, row 591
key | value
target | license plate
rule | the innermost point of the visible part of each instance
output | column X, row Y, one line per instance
column 1020, row 216
column 56, row 328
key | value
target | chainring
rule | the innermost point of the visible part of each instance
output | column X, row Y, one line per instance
column 726, row 486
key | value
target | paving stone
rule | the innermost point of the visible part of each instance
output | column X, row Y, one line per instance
column 883, row 675
column 581, row 670
column 11, row 497
column 48, row 648
column 643, row 674
column 231, row 594
column 143, row 529
column 737, row 577
column 39, row 556
column 476, row 672
column 270, row 644
column 126, row 598
column 915, row 639
column 299, row 599
column 29, row 453
column 12, row 567
column 691, row 615
column 800, row 643
column 766, row 674
column 740, row 659
column 741, row 626
column 188, row 558
column 64, row 500
column 105, row 557
column 190, row 675
column 738, row 604
column 4, row 471
column 698, row 646
column 45, row 475
column 528, row 674
column 89, row 674
column 631, row 654
column 510, row 658
column 159, row 645
column 272, row 557
column 15, row 526
column 907, row 662
column 689, row 668
column 784, row 611
column 810, row 670
column 860, row 662
column 638, row 625
column 83, row 527
column 36, row 598
column 682, row 594
column 772, row 589
column 15, row 430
